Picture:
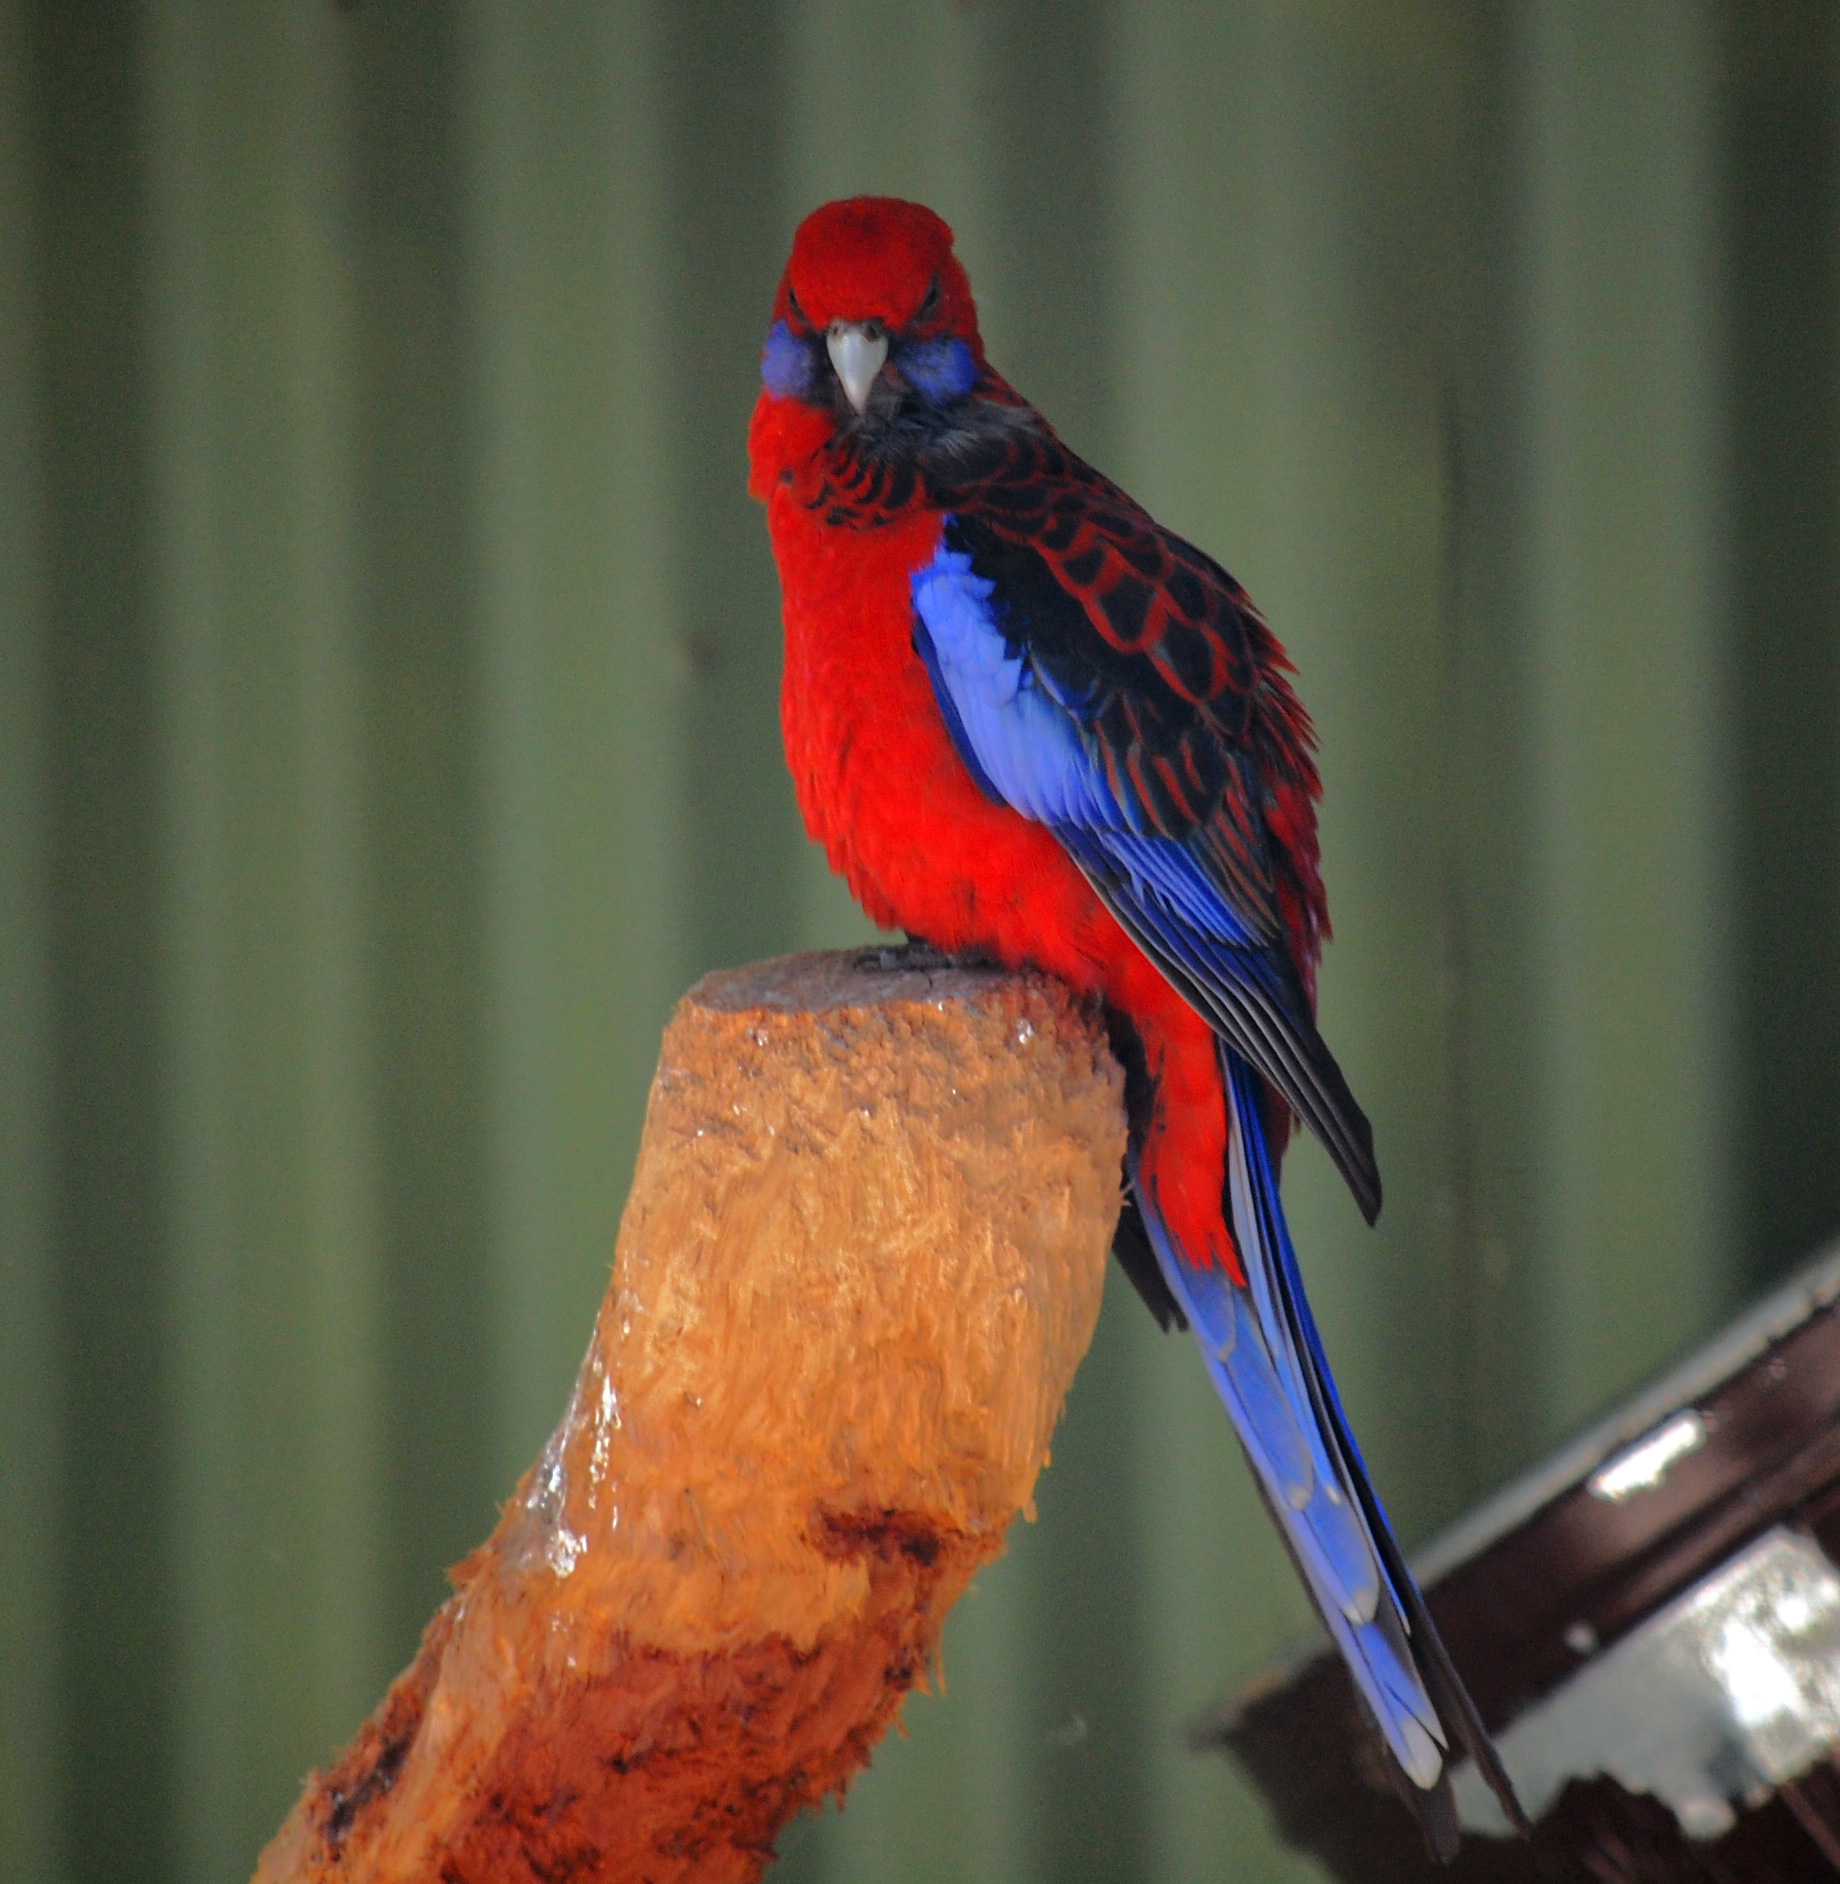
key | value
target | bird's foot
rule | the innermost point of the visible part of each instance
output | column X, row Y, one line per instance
column 917, row 954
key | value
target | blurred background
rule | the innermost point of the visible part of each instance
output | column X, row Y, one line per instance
column 388, row 671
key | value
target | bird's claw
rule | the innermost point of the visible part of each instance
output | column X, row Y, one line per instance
column 915, row 954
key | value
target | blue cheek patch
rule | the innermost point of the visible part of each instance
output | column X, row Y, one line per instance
column 786, row 363
column 940, row 371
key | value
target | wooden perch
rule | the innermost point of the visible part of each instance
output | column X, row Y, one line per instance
column 862, row 1257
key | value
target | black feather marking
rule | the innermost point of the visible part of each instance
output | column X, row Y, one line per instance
column 1131, row 1240
column 1131, row 1245
column 1145, row 554
column 1185, row 592
column 1186, row 657
column 1127, row 609
column 1058, row 533
column 1084, row 568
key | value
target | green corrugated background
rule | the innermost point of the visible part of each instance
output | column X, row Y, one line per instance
column 388, row 657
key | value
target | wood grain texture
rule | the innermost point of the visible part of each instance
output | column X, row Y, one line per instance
column 862, row 1256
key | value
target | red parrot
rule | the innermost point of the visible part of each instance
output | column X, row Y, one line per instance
column 1026, row 721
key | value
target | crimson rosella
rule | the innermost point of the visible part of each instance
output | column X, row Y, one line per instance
column 1026, row 721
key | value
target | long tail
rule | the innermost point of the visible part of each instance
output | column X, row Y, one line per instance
column 1266, row 1359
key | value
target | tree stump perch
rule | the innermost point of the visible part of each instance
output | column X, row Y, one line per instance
column 862, row 1257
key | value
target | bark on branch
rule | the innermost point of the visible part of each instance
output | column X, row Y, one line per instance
column 862, row 1257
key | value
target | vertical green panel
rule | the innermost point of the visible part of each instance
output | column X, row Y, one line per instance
column 115, row 1563
column 1487, row 887
column 722, row 73
column 1623, row 572
column 340, row 1293
column 31, row 1750
column 417, row 598
column 1782, row 200
column 584, row 675
column 275, row 1316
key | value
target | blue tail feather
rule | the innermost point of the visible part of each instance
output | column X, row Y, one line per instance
column 1261, row 1348
column 1431, row 1670
column 1265, row 1356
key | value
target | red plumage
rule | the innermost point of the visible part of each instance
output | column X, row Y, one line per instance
column 879, row 781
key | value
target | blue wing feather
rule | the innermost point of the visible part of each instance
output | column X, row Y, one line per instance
column 1021, row 743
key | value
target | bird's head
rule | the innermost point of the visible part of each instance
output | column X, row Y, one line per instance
column 874, row 317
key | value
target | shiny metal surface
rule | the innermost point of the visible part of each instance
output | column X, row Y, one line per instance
column 1726, row 1693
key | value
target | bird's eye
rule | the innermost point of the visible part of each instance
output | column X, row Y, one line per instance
column 929, row 307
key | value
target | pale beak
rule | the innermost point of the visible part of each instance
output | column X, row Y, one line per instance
column 857, row 355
